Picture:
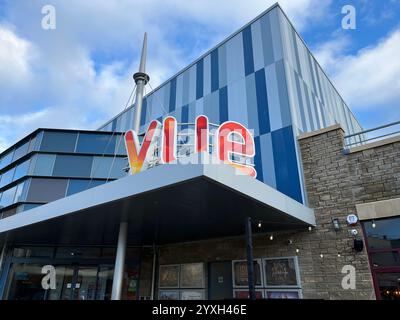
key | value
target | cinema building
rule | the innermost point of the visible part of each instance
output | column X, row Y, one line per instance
column 325, row 199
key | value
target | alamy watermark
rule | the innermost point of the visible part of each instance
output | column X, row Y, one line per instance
column 49, row 17
column 349, row 20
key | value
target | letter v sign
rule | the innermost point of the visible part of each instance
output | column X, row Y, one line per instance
column 138, row 160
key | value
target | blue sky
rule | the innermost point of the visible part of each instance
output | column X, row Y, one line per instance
column 80, row 74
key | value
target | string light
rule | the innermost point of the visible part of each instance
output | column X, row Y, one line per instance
column 338, row 254
column 297, row 250
column 310, row 228
column 321, row 255
column 271, row 237
column 259, row 224
column 373, row 224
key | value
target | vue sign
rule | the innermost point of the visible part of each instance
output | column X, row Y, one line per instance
column 231, row 139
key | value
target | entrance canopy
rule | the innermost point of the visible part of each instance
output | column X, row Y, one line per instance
column 166, row 204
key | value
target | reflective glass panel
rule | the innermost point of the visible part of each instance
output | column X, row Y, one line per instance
column 7, row 177
column 21, row 151
column 96, row 143
column 8, row 197
column 101, row 167
column 46, row 190
column 6, row 159
column 72, row 166
column 383, row 233
column 385, row 259
column 20, row 194
column 44, row 164
column 58, row 141
column 78, row 185
column 21, row 170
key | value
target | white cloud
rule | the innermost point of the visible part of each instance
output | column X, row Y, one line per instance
column 15, row 55
column 369, row 79
column 80, row 74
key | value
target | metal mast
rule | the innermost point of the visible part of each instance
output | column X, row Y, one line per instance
column 141, row 79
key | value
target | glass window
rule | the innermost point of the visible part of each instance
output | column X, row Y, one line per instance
column 27, row 206
column 7, row 177
column 43, row 165
column 21, row 170
column 58, row 141
column 8, row 197
column 72, row 166
column 32, row 144
column 6, row 159
column 383, row 233
column 385, row 259
column 46, row 190
column 96, row 143
column 120, row 145
column 20, row 194
column 79, row 185
column 101, row 167
column 21, row 151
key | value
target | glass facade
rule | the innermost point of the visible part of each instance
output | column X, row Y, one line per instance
column 82, row 273
column 51, row 164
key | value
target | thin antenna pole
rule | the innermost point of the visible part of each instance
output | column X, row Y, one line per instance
column 141, row 78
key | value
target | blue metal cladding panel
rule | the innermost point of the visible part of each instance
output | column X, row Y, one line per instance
column 262, row 102
column 185, row 116
column 248, row 51
column 258, row 159
column 199, row 79
column 285, row 160
column 172, row 95
column 143, row 115
column 214, row 71
column 223, row 104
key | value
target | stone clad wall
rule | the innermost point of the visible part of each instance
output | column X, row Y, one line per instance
column 335, row 183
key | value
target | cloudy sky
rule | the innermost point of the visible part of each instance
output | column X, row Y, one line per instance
column 80, row 74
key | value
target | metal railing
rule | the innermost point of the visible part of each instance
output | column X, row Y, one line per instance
column 372, row 135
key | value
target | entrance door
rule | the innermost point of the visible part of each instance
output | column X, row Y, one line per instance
column 82, row 282
column 220, row 280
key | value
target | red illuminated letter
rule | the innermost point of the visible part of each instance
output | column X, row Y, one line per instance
column 227, row 146
column 169, row 140
column 201, row 143
column 137, row 154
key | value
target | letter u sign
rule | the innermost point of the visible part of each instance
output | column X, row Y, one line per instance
column 232, row 141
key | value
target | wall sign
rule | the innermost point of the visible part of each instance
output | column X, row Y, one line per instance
column 352, row 219
column 232, row 141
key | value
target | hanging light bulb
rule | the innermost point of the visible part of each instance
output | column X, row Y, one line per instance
column 321, row 255
column 338, row 254
column 271, row 237
column 259, row 224
column 310, row 228
column 297, row 250
column 373, row 224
